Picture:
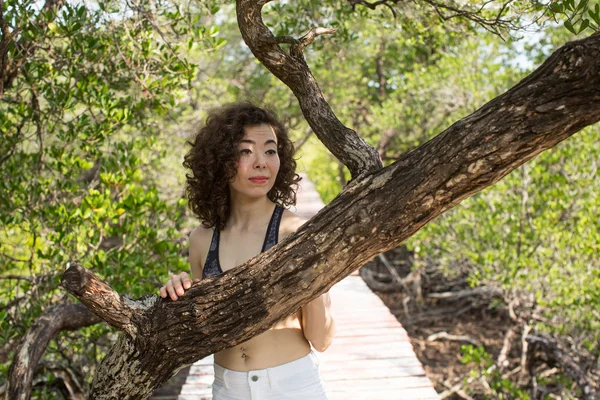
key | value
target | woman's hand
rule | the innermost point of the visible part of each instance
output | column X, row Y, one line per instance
column 176, row 285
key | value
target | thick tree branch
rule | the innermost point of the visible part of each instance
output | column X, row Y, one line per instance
column 292, row 70
column 372, row 214
column 51, row 322
column 102, row 300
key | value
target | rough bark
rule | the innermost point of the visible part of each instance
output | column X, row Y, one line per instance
column 27, row 356
column 291, row 69
column 373, row 214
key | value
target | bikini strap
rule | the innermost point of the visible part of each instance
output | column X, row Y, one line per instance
column 211, row 265
column 272, row 235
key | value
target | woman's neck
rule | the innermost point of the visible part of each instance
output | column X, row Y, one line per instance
column 249, row 214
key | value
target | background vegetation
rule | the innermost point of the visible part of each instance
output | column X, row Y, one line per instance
column 98, row 99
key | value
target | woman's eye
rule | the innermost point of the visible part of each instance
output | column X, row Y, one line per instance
column 245, row 151
column 271, row 152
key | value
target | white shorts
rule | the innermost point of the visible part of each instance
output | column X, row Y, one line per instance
column 298, row 380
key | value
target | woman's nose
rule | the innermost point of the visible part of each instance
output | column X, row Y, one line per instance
column 260, row 161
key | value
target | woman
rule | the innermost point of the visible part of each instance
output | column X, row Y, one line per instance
column 242, row 176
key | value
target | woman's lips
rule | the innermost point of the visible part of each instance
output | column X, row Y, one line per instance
column 259, row 179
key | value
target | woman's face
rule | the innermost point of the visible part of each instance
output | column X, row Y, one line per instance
column 258, row 162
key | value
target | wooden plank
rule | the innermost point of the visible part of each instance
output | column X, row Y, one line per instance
column 408, row 364
column 396, row 383
column 355, row 374
column 351, row 326
column 384, row 394
column 360, row 331
column 374, row 338
column 199, row 390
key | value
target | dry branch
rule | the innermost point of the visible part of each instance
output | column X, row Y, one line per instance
column 550, row 347
column 33, row 345
column 485, row 291
column 506, row 347
column 454, row 338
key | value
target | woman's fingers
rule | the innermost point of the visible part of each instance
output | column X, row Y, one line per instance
column 171, row 290
column 187, row 282
column 178, row 283
column 176, row 286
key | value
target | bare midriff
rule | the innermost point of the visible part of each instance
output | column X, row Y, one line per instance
column 283, row 343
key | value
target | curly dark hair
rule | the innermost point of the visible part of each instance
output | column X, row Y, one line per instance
column 213, row 161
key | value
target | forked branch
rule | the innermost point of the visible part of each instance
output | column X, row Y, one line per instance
column 292, row 69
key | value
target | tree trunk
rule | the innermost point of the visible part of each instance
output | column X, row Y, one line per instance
column 52, row 321
column 374, row 213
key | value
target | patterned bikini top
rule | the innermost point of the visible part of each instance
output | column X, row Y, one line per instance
column 212, row 267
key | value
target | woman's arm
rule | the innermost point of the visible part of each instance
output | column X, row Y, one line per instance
column 318, row 323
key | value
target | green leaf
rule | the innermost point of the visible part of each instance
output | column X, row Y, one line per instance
column 569, row 26
column 556, row 8
column 54, row 28
column 582, row 4
column 584, row 25
column 595, row 15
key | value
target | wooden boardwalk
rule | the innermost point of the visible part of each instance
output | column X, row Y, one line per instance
column 371, row 357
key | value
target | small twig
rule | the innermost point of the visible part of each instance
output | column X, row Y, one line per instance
column 298, row 144
column 128, row 63
column 405, row 302
column 506, row 346
column 306, row 40
column 485, row 384
column 454, row 338
column 374, row 5
column 525, row 346
column 17, row 277
column 511, row 372
column 389, row 267
column 511, row 310
column 481, row 290
column 370, row 278
column 13, row 302
column 13, row 259
column 463, row 394
column 459, row 386
column 549, row 372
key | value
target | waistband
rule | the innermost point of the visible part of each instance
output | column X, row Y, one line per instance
column 273, row 374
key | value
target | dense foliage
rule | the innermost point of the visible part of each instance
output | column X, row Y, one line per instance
column 98, row 99
column 83, row 125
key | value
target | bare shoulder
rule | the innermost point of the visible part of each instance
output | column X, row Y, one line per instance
column 290, row 223
column 200, row 234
